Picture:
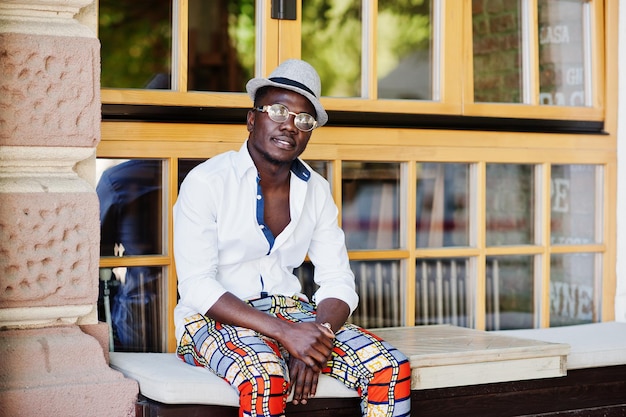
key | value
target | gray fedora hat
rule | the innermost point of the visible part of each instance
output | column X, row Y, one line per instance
column 295, row 75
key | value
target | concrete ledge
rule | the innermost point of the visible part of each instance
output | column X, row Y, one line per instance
column 441, row 356
column 445, row 356
column 592, row 345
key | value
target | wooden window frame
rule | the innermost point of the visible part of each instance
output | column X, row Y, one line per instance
column 405, row 144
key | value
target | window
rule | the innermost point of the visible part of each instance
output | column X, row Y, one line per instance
column 470, row 149
column 542, row 53
column 133, row 288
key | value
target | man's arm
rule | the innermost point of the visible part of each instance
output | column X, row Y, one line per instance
column 333, row 311
column 308, row 342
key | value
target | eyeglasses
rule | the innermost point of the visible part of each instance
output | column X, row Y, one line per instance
column 280, row 114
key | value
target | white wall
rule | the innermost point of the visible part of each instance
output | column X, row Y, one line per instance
column 620, row 293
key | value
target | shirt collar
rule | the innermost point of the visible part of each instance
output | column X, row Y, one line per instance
column 301, row 171
column 245, row 163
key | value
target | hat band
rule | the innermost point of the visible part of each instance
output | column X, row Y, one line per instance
column 287, row 81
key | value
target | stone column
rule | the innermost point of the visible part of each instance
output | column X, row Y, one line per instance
column 49, row 222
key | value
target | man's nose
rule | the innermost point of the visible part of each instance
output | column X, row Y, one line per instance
column 290, row 123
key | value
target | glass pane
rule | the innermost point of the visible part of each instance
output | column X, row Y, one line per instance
column 305, row 274
column 497, row 50
column 321, row 167
column 131, row 206
column 573, row 202
column 136, row 39
column 443, row 292
column 131, row 221
column 572, row 289
column 380, row 296
column 509, row 293
column 405, row 49
column 132, row 302
column 562, row 54
column 378, row 285
column 331, row 42
column 442, row 205
column 221, row 45
column 371, row 208
column 510, row 204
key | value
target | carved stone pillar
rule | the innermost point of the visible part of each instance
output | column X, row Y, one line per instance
column 49, row 223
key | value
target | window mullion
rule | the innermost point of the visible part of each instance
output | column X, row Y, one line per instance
column 542, row 270
column 478, row 174
column 436, row 37
column 267, row 39
column 369, row 73
column 588, row 73
column 171, row 194
column 408, row 187
column 180, row 45
column 530, row 53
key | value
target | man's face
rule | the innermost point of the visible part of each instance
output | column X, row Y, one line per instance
column 278, row 143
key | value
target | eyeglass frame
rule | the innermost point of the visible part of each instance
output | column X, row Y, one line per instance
column 265, row 109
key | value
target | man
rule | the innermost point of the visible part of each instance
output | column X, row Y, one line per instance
column 243, row 221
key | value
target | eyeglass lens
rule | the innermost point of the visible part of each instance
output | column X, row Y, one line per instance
column 280, row 114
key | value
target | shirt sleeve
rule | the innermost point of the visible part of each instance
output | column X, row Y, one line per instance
column 195, row 243
column 329, row 256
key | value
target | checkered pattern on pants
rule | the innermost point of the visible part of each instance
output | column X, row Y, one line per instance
column 257, row 366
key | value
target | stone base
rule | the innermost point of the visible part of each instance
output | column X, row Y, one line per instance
column 60, row 371
column 99, row 331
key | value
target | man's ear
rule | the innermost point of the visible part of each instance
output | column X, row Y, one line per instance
column 250, row 120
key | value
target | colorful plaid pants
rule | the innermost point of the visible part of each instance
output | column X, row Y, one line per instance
column 257, row 366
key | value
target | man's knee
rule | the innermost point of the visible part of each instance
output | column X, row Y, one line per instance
column 265, row 394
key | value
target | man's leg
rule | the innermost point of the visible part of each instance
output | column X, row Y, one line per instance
column 251, row 364
column 361, row 360
column 381, row 373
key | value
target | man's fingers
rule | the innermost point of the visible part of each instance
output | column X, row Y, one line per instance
column 303, row 380
column 313, row 384
column 318, row 357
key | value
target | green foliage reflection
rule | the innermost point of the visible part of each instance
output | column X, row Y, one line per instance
column 136, row 40
column 332, row 32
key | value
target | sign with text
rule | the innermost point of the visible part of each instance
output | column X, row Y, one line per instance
column 562, row 53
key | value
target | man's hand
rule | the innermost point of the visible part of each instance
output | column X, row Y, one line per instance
column 310, row 343
column 303, row 381
column 304, row 378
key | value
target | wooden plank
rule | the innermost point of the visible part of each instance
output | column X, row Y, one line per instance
column 445, row 356
column 486, row 372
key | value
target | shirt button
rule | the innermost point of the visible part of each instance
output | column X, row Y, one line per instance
column 262, row 227
column 258, row 197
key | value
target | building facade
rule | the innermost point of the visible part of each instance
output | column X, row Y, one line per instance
column 476, row 165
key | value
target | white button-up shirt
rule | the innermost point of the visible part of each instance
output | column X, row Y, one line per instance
column 221, row 244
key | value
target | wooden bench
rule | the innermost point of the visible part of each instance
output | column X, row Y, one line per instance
column 454, row 370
